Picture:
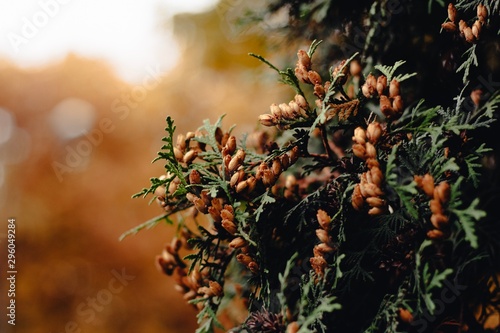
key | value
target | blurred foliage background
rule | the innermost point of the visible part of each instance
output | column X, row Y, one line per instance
column 69, row 217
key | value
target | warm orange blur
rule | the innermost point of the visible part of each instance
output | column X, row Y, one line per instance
column 70, row 193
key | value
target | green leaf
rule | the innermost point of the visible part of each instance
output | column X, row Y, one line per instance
column 265, row 199
column 406, row 192
column 467, row 219
column 470, row 60
column 436, row 282
column 473, row 168
column 389, row 71
column 314, row 45
column 146, row 225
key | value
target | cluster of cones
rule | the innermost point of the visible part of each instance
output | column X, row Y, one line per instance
column 391, row 102
column 285, row 113
column 440, row 196
column 325, row 247
column 470, row 34
column 196, row 285
column 369, row 190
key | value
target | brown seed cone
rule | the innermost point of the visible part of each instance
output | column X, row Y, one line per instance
column 238, row 242
column 367, row 90
column 200, row 205
column 160, row 192
column 376, row 175
column 253, row 267
column 314, row 77
column 268, row 178
column 435, row 234
column 442, row 192
column 324, row 219
column 475, row 96
column 386, row 106
column 321, row 249
column 372, row 163
column 371, row 80
column 476, row 29
column 294, row 154
column 318, row 264
column 293, row 327
column 275, row 110
column 323, row 236
column 304, row 59
column 373, row 132
column 276, row 167
column 216, row 288
column 194, row 177
column 295, row 107
column 226, row 159
column 237, row 177
column 301, row 73
column 285, row 161
column 375, row 202
column 449, row 26
column 241, row 186
column 405, row 315
column 179, row 155
column 319, row 91
column 371, row 151
column 215, row 214
column 245, row 259
column 190, row 156
column 181, row 142
column 355, row 68
column 231, row 145
column 482, row 13
column 381, row 84
column 205, row 291
column 359, row 135
column 435, row 206
column 229, row 226
column 428, row 185
column 229, row 208
column 469, row 36
column 227, row 215
column 462, row 25
column 452, row 12
column 301, row 101
column 357, row 199
column 286, row 111
column 371, row 190
column 418, row 180
column 251, row 183
column 397, row 104
column 369, row 87
column 374, row 211
column 439, row 221
column 359, row 150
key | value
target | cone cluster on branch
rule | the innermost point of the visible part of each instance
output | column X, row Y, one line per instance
column 470, row 34
column 325, row 247
column 194, row 286
column 266, row 174
column 369, row 190
column 391, row 102
column 162, row 192
column 284, row 113
column 440, row 196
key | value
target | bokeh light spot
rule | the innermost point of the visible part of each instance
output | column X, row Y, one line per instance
column 72, row 118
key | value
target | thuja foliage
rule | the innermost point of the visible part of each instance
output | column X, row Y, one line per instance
column 352, row 210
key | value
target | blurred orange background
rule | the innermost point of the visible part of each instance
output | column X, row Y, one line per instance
column 76, row 141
